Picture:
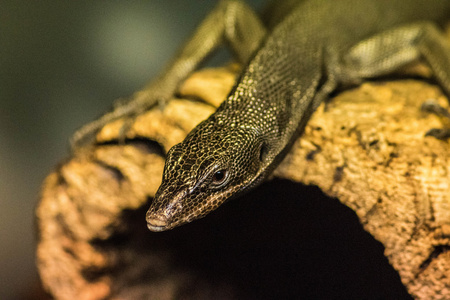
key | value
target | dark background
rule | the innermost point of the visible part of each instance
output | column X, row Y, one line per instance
column 62, row 63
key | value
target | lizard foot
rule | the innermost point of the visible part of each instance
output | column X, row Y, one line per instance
column 128, row 110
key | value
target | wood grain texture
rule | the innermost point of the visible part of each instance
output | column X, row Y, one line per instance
column 366, row 147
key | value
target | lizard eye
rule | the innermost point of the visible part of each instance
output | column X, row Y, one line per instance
column 219, row 177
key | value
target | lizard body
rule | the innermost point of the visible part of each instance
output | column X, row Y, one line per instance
column 315, row 47
column 308, row 49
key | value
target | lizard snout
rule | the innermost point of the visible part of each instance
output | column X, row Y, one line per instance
column 165, row 215
column 156, row 222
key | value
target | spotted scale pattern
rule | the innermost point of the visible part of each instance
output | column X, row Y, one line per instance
column 295, row 68
column 242, row 138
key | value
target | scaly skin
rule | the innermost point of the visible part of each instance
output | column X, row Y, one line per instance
column 301, row 61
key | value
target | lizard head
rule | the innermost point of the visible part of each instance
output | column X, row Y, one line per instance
column 202, row 172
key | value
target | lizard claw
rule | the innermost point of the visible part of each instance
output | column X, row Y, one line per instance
column 439, row 133
column 432, row 106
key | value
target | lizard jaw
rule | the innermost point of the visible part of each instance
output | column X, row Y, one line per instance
column 156, row 223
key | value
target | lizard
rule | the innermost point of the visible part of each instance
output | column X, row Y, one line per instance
column 301, row 53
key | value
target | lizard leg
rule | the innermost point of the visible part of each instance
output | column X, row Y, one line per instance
column 395, row 48
column 392, row 49
column 231, row 22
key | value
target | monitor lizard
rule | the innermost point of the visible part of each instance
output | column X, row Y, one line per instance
column 292, row 61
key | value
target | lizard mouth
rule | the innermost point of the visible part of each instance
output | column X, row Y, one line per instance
column 165, row 215
column 157, row 222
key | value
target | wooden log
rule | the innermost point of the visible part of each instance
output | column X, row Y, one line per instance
column 366, row 147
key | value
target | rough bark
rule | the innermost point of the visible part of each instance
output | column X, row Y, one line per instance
column 366, row 147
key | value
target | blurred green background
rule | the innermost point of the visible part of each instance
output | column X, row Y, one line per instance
column 62, row 63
